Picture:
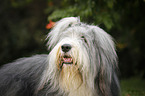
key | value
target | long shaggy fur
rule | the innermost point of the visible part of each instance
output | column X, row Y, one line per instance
column 82, row 62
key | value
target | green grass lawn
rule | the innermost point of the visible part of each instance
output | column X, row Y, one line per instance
column 132, row 87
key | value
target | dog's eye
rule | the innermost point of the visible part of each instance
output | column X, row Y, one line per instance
column 84, row 39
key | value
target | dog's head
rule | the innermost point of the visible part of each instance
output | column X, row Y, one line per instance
column 79, row 54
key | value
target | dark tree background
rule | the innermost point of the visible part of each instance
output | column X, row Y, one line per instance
column 22, row 27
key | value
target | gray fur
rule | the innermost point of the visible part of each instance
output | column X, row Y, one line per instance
column 21, row 77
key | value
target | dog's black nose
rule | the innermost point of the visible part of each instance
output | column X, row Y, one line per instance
column 66, row 47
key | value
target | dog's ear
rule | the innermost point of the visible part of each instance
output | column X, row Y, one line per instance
column 106, row 58
column 60, row 27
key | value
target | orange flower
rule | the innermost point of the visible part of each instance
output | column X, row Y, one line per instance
column 50, row 25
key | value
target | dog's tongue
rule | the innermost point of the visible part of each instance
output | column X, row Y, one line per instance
column 67, row 60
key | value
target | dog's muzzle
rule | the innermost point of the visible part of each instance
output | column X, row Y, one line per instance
column 66, row 58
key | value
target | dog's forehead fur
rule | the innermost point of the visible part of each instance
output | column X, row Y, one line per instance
column 72, row 28
column 76, row 32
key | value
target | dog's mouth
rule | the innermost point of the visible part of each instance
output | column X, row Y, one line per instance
column 67, row 59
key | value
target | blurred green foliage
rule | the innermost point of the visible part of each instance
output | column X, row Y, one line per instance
column 22, row 27
column 20, row 3
column 94, row 11
column 133, row 87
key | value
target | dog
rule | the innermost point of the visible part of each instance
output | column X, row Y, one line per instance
column 82, row 62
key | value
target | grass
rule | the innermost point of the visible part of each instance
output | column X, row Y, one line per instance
column 133, row 87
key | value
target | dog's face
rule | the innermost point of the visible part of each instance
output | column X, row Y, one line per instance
column 72, row 47
column 72, row 56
